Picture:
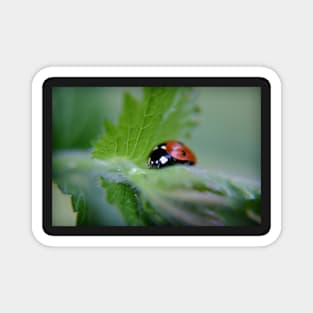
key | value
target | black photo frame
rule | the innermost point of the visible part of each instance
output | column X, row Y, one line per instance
column 261, row 229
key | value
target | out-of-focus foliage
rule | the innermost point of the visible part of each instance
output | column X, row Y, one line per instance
column 77, row 115
column 77, row 175
column 178, row 195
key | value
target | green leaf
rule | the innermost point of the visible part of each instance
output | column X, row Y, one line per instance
column 77, row 175
column 162, row 114
column 178, row 195
column 126, row 198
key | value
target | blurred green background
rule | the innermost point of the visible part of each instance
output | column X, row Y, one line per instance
column 228, row 138
column 226, row 141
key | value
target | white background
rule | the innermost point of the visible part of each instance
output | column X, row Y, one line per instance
column 35, row 34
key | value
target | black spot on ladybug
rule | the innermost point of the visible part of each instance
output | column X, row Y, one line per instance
column 160, row 158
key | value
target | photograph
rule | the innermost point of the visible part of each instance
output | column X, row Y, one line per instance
column 156, row 156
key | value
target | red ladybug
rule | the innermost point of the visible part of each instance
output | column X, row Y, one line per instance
column 170, row 153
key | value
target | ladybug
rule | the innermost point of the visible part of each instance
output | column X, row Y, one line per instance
column 170, row 153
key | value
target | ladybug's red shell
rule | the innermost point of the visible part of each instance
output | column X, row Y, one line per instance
column 180, row 152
